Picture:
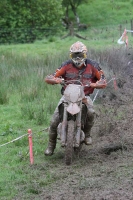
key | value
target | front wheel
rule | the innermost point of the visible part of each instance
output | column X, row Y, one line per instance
column 70, row 139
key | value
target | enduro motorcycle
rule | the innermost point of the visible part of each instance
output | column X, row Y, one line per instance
column 72, row 113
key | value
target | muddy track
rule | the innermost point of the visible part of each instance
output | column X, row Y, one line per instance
column 104, row 170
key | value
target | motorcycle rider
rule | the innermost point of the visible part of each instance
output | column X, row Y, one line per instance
column 79, row 67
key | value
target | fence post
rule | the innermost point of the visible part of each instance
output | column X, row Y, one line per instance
column 120, row 29
column 30, row 146
column 131, row 27
column 115, row 84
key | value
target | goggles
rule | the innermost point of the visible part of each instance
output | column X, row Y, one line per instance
column 78, row 55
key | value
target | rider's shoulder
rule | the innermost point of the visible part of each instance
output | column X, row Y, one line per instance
column 93, row 63
column 66, row 63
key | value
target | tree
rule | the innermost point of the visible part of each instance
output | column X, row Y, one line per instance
column 71, row 5
column 29, row 19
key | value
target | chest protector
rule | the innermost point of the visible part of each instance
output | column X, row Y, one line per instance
column 85, row 75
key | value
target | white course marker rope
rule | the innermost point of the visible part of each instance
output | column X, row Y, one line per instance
column 99, row 90
column 14, row 140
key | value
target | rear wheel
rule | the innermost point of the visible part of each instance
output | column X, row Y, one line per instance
column 69, row 147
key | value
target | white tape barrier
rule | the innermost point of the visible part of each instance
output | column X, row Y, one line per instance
column 46, row 129
column 95, row 96
column 124, row 37
column 111, row 80
column 13, row 140
column 130, row 31
column 120, row 41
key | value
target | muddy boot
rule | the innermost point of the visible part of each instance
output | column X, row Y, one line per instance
column 52, row 142
column 88, row 139
column 91, row 110
column 87, row 128
column 50, row 149
column 52, row 134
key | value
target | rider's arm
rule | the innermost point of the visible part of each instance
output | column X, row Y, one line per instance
column 101, row 83
column 59, row 72
column 55, row 78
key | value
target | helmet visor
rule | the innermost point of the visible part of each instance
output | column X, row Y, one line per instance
column 78, row 55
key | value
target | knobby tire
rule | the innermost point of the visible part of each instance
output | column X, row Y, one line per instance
column 69, row 147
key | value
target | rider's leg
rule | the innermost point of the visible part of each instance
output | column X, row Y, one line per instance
column 88, row 125
column 52, row 134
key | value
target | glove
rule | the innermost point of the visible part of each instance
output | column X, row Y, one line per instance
column 50, row 79
column 99, row 84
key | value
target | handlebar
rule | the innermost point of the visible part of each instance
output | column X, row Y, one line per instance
column 97, row 85
column 53, row 80
column 78, row 82
column 71, row 82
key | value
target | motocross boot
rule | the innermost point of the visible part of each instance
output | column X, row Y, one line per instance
column 88, row 139
column 87, row 128
column 51, row 144
column 52, row 134
column 91, row 110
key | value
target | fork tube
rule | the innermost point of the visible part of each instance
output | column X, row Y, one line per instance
column 64, row 124
column 77, row 137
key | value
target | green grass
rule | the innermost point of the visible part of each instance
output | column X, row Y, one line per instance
column 101, row 12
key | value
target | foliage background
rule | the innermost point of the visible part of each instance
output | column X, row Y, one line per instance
column 24, row 21
column 27, row 21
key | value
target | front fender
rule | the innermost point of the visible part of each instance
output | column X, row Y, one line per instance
column 73, row 108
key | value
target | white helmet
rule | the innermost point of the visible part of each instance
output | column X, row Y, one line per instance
column 78, row 53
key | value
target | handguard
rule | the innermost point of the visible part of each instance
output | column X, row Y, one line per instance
column 50, row 79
